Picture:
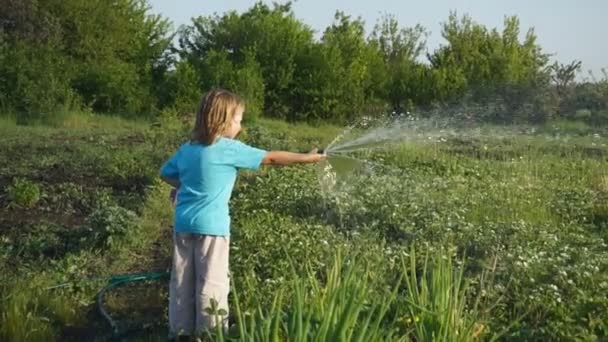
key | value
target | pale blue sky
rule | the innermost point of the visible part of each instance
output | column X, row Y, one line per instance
column 568, row 29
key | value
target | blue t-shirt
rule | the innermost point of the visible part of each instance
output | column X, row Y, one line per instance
column 207, row 175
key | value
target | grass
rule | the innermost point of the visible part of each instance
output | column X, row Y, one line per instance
column 76, row 120
column 290, row 136
column 22, row 317
column 43, row 303
column 437, row 302
column 8, row 121
column 58, row 246
column 334, row 310
column 340, row 308
column 419, row 235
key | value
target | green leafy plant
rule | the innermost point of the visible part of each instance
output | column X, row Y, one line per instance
column 437, row 301
column 339, row 308
column 109, row 224
column 24, row 193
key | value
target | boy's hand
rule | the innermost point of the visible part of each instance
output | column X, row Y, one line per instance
column 173, row 196
column 315, row 156
column 284, row 158
column 318, row 157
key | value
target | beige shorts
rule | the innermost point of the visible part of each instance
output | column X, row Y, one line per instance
column 199, row 276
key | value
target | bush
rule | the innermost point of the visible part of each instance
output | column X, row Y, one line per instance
column 568, row 127
column 582, row 114
column 23, row 193
column 40, row 83
column 110, row 224
column 600, row 117
column 183, row 91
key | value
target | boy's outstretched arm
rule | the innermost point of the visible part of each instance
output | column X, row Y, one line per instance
column 289, row 158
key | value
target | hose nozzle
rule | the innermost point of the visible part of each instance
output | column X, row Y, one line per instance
column 319, row 151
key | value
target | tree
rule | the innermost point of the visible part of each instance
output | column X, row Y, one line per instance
column 273, row 36
column 344, row 45
column 108, row 55
column 495, row 66
column 562, row 77
column 400, row 49
column 115, row 47
column 317, row 94
column 34, row 73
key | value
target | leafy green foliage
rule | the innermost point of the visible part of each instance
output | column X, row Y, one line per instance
column 116, row 57
column 495, row 66
column 437, row 301
column 110, row 223
column 107, row 56
column 527, row 213
column 262, row 42
column 400, row 49
column 24, row 193
column 334, row 309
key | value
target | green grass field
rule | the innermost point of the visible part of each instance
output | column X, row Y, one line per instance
column 468, row 239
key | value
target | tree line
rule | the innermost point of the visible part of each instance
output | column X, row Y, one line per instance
column 114, row 56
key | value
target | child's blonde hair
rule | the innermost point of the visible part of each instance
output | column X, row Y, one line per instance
column 217, row 109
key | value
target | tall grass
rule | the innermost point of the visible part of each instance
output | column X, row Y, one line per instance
column 23, row 318
column 339, row 308
column 342, row 305
column 301, row 134
column 437, row 301
column 77, row 120
column 70, row 119
column 8, row 121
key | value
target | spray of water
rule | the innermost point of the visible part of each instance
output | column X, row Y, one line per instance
column 346, row 152
column 372, row 134
column 351, row 164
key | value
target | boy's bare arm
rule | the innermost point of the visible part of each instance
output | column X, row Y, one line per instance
column 290, row 158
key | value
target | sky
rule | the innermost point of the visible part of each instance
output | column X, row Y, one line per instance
column 567, row 29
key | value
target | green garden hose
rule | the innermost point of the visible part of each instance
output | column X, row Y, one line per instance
column 117, row 281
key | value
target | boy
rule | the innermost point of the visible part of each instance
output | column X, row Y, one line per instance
column 204, row 172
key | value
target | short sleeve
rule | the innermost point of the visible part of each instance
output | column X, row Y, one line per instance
column 244, row 156
column 170, row 169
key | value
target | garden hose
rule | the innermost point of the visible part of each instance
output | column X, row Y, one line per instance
column 117, row 281
column 319, row 151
